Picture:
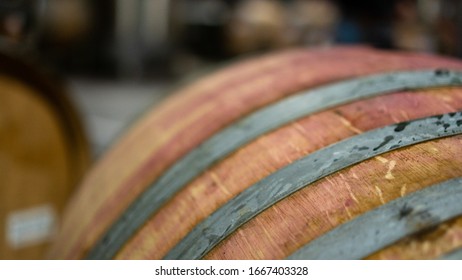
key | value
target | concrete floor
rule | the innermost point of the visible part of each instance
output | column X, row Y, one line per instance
column 108, row 108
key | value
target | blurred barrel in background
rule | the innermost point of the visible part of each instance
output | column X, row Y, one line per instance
column 43, row 154
column 280, row 152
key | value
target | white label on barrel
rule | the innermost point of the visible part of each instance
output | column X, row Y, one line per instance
column 30, row 226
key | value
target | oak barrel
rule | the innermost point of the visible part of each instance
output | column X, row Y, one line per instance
column 294, row 154
column 43, row 155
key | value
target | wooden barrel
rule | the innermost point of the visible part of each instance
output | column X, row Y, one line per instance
column 43, row 153
column 288, row 155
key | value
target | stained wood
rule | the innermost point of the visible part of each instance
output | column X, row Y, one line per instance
column 197, row 112
column 248, row 129
column 249, row 164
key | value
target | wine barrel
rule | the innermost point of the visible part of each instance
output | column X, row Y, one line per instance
column 43, row 153
column 278, row 157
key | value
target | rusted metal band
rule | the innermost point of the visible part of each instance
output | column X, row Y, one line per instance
column 387, row 224
column 238, row 134
column 305, row 171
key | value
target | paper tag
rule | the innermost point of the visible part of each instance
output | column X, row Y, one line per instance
column 30, row 226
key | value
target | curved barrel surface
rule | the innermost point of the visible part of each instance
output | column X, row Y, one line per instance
column 265, row 156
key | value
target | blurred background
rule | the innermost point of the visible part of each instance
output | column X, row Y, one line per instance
column 119, row 56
